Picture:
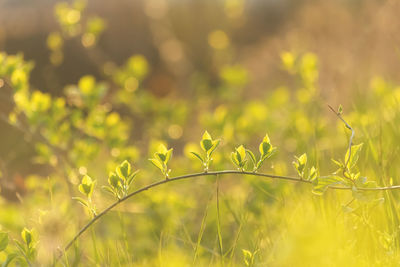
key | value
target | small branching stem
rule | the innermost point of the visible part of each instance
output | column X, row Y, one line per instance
column 345, row 169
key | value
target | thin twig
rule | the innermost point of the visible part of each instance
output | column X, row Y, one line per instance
column 101, row 214
column 189, row 176
column 351, row 137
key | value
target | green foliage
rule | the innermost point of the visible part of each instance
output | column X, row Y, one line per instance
column 321, row 184
column 300, row 164
column 266, row 151
column 236, row 76
column 134, row 71
column 249, row 257
column 27, row 237
column 239, row 157
column 3, row 241
column 18, row 72
column 73, row 23
column 161, row 158
column 90, row 128
column 208, row 145
column 352, row 156
column 340, row 110
column 120, row 180
column 87, row 186
column 28, row 247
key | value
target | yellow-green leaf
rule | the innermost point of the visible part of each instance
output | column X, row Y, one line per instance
column 241, row 152
column 26, row 235
column 157, row 163
column 355, row 154
column 124, row 170
column 3, row 241
column 114, row 180
column 87, row 185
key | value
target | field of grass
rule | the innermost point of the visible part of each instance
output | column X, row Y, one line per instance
column 123, row 167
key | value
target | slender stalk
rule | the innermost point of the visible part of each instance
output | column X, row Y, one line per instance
column 96, row 254
column 124, row 236
column 350, row 140
column 193, row 175
column 221, row 249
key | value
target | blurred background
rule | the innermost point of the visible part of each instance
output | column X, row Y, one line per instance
column 110, row 80
column 191, row 45
column 182, row 38
column 353, row 40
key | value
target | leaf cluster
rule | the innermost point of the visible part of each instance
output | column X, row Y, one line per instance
column 161, row 159
column 120, row 180
column 265, row 148
column 208, row 145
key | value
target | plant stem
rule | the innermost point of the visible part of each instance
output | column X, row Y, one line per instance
column 96, row 254
column 124, row 236
column 193, row 175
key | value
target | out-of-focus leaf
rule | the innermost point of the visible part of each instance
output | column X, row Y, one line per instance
column 3, row 241
column 197, row 156
column 320, row 184
column 355, row 154
column 157, row 164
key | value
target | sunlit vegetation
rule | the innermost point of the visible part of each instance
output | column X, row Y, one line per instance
column 216, row 177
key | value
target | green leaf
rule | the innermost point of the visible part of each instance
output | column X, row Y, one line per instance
column 87, row 185
column 355, row 153
column 234, row 159
column 206, row 143
column 206, row 136
column 20, row 246
column 3, row 241
column 108, row 189
column 300, row 164
column 238, row 157
column 338, row 163
column 81, row 201
column 313, row 174
column 168, row 155
column 248, row 257
column 157, row 163
column 27, row 237
column 320, row 184
column 114, row 180
column 163, row 155
column 124, row 170
column 160, row 156
column 252, row 157
column 241, row 152
column 265, row 146
column 197, row 156
column 10, row 258
column 340, row 109
column 162, row 149
column 215, row 144
column 303, row 159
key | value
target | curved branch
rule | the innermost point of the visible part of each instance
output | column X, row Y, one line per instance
column 101, row 214
column 189, row 176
